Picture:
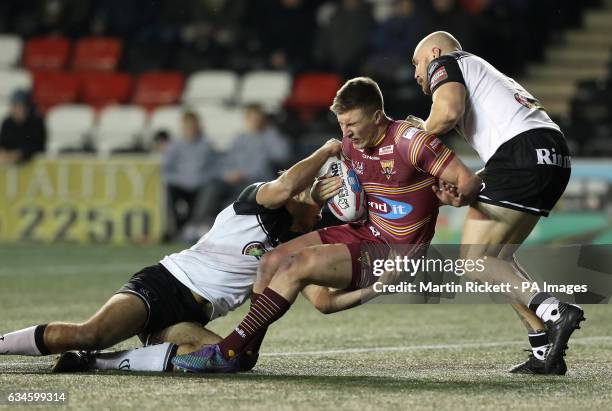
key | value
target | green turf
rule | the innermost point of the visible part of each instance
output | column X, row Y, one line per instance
column 428, row 357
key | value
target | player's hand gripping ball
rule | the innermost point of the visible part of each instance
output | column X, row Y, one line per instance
column 349, row 204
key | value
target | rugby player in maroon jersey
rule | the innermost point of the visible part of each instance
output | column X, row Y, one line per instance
column 398, row 166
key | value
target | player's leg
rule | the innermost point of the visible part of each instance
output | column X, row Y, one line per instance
column 325, row 265
column 121, row 317
column 497, row 232
column 488, row 226
column 268, row 266
column 162, row 346
column 271, row 261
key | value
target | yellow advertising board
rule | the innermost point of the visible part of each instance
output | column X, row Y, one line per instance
column 82, row 199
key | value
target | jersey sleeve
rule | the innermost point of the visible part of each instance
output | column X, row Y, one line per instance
column 247, row 204
column 444, row 69
column 424, row 151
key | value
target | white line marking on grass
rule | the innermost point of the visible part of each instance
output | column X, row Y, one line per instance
column 457, row 346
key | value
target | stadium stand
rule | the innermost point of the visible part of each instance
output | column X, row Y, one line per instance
column 211, row 86
column 68, row 128
column 268, row 88
column 119, row 129
column 52, row 88
column 11, row 80
column 97, row 54
column 158, row 88
column 102, row 89
column 313, row 92
column 166, row 118
column 221, row 124
column 46, row 53
column 11, row 47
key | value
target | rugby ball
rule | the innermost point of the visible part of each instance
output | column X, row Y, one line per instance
column 349, row 204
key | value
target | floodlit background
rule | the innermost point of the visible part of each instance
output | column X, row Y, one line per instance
column 95, row 94
column 127, row 124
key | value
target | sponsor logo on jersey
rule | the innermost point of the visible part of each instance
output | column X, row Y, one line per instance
column 432, row 67
column 548, row 157
column 528, row 101
column 437, row 77
column 124, row 365
column 240, row 332
column 385, row 150
column 387, row 208
column 411, row 132
column 357, row 166
column 370, row 157
column 387, row 168
column 254, row 249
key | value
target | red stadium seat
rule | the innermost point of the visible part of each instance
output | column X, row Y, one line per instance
column 102, row 89
column 158, row 89
column 53, row 88
column 313, row 92
column 46, row 53
column 97, row 54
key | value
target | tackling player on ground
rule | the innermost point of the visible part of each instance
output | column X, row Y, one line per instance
column 527, row 169
column 172, row 301
column 397, row 165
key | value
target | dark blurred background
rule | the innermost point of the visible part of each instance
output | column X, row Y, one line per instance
column 227, row 91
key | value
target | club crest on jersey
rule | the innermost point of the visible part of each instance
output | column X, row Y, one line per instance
column 385, row 150
column 357, row 166
column 254, row 249
column 387, row 168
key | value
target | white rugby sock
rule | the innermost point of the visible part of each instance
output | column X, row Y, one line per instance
column 28, row 341
column 152, row 358
column 545, row 306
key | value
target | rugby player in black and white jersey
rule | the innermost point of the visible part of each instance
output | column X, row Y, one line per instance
column 528, row 166
column 168, row 304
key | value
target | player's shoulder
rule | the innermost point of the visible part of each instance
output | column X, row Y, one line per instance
column 446, row 60
column 405, row 132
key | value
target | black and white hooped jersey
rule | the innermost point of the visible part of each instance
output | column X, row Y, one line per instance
column 497, row 108
column 222, row 265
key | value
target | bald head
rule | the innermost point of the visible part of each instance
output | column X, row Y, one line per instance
column 438, row 39
column 431, row 47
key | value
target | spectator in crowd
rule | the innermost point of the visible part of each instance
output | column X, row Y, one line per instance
column 23, row 132
column 254, row 156
column 256, row 152
column 342, row 44
column 161, row 139
column 394, row 39
column 188, row 164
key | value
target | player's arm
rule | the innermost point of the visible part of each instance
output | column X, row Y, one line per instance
column 296, row 179
column 448, row 106
column 331, row 301
column 459, row 186
column 447, row 87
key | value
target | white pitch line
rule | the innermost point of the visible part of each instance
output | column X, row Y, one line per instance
column 579, row 341
column 582, row 341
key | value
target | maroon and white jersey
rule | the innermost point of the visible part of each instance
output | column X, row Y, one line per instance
column 397, row 175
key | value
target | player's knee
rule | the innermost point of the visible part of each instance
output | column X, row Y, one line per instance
column 300, row 266
column 268, row 265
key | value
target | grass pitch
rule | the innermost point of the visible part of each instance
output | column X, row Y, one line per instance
column 372, row 357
